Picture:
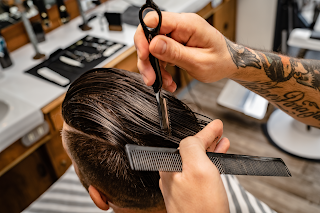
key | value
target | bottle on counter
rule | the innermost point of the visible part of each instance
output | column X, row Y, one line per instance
column 5, row 59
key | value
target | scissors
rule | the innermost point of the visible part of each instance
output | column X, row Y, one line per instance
column 150, row 33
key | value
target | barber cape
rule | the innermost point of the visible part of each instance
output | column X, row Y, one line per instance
column 67, row 195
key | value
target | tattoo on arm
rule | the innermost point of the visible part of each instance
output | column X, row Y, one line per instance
column 312, row 77
column 293, row 102
column 274, row 68
column 278, row 68
column 241, row 56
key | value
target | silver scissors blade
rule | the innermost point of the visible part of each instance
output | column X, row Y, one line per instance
column 150, row 33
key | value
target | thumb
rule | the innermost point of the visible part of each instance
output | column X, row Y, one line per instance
column 169, row 50
column 193, row 148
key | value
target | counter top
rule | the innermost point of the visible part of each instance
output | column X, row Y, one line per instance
column 39, row 93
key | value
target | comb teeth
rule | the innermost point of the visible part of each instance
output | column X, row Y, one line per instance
column 168, row 160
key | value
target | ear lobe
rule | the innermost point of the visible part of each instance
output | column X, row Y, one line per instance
column 98, row 198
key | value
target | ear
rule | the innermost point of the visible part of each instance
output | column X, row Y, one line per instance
column 98, row 198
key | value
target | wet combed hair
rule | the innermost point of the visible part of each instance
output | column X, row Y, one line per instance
column 111, row 108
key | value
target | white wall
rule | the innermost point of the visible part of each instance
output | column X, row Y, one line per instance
column 256, row 23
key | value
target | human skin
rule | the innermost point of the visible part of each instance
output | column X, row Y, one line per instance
column 291, row 84
column 198, row 188
column 198, row 171
column 100, row 198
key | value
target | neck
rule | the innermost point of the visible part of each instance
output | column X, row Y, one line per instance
column 117, row 209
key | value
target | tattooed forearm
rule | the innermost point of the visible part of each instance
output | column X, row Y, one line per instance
column 291, row 84
column 277, row 68
column 241, row 56
column 294, row 102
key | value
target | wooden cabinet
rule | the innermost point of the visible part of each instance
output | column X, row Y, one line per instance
column 54, row 149
column 16, row 35
column 224, row 19
column 25, row 182
column 58, row 157
column 27, row 172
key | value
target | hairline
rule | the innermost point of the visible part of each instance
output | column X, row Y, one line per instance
column 67, row 128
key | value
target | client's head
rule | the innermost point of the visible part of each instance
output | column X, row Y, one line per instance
column 104, row 110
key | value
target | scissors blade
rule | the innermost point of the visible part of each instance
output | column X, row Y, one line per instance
column 163, row 113
column 150, row 34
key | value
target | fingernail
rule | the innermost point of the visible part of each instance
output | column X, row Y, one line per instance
column 160, row 47
column 173, row 87
column 145, row 79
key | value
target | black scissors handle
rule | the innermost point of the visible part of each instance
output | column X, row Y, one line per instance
column 150, row 33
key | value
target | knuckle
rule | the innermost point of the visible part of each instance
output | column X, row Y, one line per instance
column 139, row 66
column 194, row 16
column 190, row 142
column 176, row 53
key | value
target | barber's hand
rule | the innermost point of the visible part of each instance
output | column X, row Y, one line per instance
column 198, row 188
column 193, row 45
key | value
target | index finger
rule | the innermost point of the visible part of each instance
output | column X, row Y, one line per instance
column 184, row 28
column 141, row 44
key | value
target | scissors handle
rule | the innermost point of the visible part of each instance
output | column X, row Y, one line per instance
column 156, row 66
column 150, row 33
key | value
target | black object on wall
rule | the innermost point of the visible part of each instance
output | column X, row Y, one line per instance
column 114, row 20
column 43, row 12
column 38, row 31
column 64, row 15
column 288, row 17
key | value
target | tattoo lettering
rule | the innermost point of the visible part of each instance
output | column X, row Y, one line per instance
column 279, row 69
column 291, row 102
column 241, row 56
column 262, row 88
column 310, row 103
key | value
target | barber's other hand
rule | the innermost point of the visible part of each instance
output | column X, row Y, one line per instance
column 198, row 188
column 193, row 45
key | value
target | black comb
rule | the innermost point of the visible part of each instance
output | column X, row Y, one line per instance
column 143, row 158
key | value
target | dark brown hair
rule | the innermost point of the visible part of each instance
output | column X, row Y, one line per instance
column 111, row 108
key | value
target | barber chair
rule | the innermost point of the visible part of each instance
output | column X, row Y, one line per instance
column 239, row 99
column 283, row 131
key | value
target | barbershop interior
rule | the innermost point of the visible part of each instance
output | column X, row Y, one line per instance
column 85, row 85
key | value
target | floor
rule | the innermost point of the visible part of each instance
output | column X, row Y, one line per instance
column 297, row 194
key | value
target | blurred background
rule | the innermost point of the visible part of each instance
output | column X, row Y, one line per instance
column 46, row 44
